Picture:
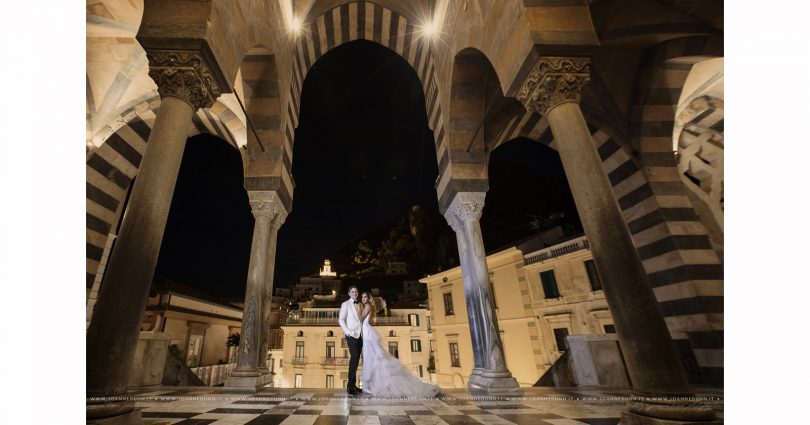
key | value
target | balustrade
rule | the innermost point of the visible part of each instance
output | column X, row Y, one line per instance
column 558, row 250
column 214, row 374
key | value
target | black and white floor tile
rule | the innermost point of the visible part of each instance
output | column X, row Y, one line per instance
column 271, row 406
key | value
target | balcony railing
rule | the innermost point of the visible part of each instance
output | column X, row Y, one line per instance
column 336, row 361
column 379, row 321
column 311, row 321
column 573, row 245
column 299, row 360
column 390, row 321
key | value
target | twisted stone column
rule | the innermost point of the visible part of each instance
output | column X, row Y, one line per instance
column 489, row 370
column 553, row 88
column 185, row 85
column 267, row 210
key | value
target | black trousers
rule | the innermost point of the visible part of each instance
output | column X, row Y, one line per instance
column 355, row 348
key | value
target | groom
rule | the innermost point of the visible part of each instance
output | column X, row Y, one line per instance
column 349, row 321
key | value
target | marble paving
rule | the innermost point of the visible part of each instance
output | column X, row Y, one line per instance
column 288, row 406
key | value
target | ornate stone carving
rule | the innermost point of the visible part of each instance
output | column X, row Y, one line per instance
column 267, row 204
column 554, row 80
column 465, row 206
column 263, row 209
column 454, row 222
column 184, row 74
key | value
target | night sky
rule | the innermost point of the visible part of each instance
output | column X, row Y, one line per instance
column 363, row 155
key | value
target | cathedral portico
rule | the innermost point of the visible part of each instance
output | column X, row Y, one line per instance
column 602, row 87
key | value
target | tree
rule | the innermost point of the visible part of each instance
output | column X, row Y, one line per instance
column 433, row 238
column 233, row 340
column 399, row 246
column 363, row 253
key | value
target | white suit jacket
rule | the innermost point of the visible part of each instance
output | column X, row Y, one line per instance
column 349, row 320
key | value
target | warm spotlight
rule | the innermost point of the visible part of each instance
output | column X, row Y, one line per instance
column 295, row 25
column 429, row 29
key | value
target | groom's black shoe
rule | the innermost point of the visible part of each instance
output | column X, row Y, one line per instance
column 358, row 390
column 351, row 391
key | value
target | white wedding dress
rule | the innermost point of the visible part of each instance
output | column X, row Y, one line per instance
column 384, row 375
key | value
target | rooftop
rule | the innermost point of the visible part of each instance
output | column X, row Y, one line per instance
column 168, row 286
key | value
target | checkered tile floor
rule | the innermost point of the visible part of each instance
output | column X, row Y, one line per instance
column 536, row 406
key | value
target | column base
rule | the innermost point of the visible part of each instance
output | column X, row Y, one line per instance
column 246, row 373
column 492, row 373
column 116, row 413
column 248, row 382
column 494, row 384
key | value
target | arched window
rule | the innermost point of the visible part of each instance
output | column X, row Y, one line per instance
column 300, row 333
column 392, row 333
column 330, row 333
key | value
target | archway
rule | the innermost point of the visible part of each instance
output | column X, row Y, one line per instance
column 528, row 184
column 476, row 96
column 698, row 140
column 206, row 243
column 112, row 167
column 675, row 240
column 396, row 30
column 363, row 123
column 363, row 156
column 583, row 149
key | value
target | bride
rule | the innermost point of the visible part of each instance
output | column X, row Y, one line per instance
column 383, row 374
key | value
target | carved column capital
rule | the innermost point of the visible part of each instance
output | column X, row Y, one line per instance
column 554, row 80
column 184, row 74
column 267, row 205
column 465, row 206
